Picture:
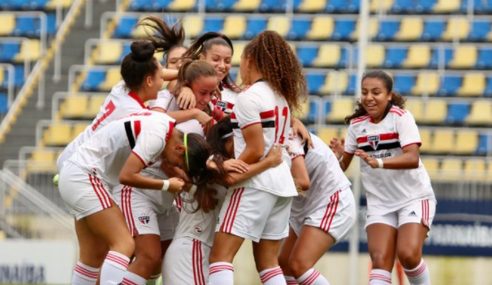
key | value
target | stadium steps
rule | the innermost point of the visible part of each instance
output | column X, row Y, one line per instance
column 24, row 130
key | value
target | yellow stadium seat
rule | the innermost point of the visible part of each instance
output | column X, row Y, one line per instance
column 109, row 52
column 380, row 5
column 372, row 30
column 234, row 26
column 74, row 107
column 447, row 6
column 112, row 77
column 475, row 169
column 425, row 138
column 473, row 84
column 457, row 28
column 427, row 83
column 375, row 55
column 335, row 82
column 2, row 73
column 435, row 111
column 465, row 56
column 309, row 6
column 42, row 160
column 193, row 25
column 321, row 28
column 443, row 141
column 30, row 50
column 418, row 56
column 416, row 107
column 95, row 104
column 466, row 141
column 480, row 113
column 303, row 111
column 238, row 51
column 57, row 134
column 341, row 107
column 53, row 4
column 431, row 164
column 326, row 133
column 141, row 31
column 8, row 24
column 451, row 169
column 78, row 128
column 411, row 29
column 247, row 5
column 328, row 55
column 181, row 5
column 280, row 24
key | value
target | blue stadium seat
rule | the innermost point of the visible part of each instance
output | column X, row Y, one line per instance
column 23, row 4
column 387, row 29
column 482, row 6
column 343, row 29
column 299, row 28
column 315, row 81
column 479, row 30
column 273, row 6
column 307, row 54
column 342, row 6
column 433, row 29
column 395, row 56
column 8, row 50
column 352, row 84
column 19, row 75
column 484, row 58
column 254, row 27
column 3, row 103
column 93, row 80
column 141, row 5
column 435, row 57
column 125, row 27
column 213, row 24
column 28, row 26
column 457, row 112
column 219, row 5
column 404, row 83
column 51, row 23
column 450, row 84
column 488, row 88
column 483, row 144
column 402, row 6
column 314, row 110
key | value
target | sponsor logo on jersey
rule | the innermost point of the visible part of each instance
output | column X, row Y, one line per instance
column 373, row 141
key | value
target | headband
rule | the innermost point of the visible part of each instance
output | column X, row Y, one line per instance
column 226, row 136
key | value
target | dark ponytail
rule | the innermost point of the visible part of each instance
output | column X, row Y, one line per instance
column 138, row 64
column 217, row 134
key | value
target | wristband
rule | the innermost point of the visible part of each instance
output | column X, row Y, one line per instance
column 165, row 185
column 380, row 162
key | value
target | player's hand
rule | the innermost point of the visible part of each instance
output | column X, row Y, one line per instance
column 274, row 156
column 186, row 99
column 176, row 185
column 336, row 146
column 299, row 129
column 235, row 165
column 366, row 158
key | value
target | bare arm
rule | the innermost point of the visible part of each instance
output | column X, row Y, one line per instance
column 253, row 136
column 169, row 74
column 300, row 174
column 186, row 115
column 407, row 160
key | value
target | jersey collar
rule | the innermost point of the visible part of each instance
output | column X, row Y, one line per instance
column 134, row 95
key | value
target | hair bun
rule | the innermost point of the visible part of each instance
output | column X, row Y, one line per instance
column 142, row 50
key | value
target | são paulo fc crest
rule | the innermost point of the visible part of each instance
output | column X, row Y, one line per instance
column 144, row 219
column 373, row 141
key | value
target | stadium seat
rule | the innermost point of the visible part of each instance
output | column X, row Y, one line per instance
column 307, row 53
column 431, row 164
column 327, row 133
column 193, row 25
column 4, row 107
column 388, row 29
column 247, row 5
column 466, row 141
column 353, row 33
column 56, row 4
column 450, row 84
column 109, row 52
column 451, row 169
column 299, row 27
column 93, row 80
column 125, row 26
column 475, row 169
column 57, row 134
column 433, row 29
column 411, row 29
column 425, row 138
column 78, row 128
column 42, row 161
column 8, row 24
column 416, row 108
column 234, row 26
column 447, row 6
column 322, row 28
column 380, row 6
column 280, row 24
column 95, row 103
column 181, row 5
column 481, row 113
column 310, row 6
column 213, row 24
column 74, row 107
column 375, row 55
column 435, row 111
column 427, row 83
column 28, row 25
column 330, row 55
column 418, row 56
column 113, row 75
column 443, row 141
column 395, row 55
column 255, row 26
column 315, row 81
column 340, row 108
column 403, row 83
column 484, row 57
column 457, row 28
column 335, row 83
column 30, row 50
column 464, row 56
column 238, row 51
column 473, row 84
column 457, row 112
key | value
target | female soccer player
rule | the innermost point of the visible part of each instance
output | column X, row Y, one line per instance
column 400, row 199
column 321, row 216
column 259, row 208
column 116, row 154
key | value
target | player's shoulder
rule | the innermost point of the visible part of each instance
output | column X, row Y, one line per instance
column 397, row 111
column 359, row 120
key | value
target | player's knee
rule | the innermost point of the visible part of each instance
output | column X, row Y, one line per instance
column 409, row 258
column 297, row 266
column 151, row 258
column 124, row 245
column 381, row 260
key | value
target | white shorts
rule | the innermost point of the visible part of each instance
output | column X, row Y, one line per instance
column 255, row 215
column 186, row 262
column 84, row 193
column 333, row 214
column 419, row 212
column 144, row 215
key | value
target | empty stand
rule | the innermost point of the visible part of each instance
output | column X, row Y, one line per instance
column 481, row 113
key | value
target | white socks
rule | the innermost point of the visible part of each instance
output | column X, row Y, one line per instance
column 379, row 277
column 419, row 275
column 291, row 280
column 114, row 268
column 312, row 277
column 272, row 276
column 133, row 279
column 84, row 274
column 221, row 273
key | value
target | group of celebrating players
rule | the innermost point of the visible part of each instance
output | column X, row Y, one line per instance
column 172, row 177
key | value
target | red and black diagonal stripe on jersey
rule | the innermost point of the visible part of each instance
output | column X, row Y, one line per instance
column 267, row 120
column 378, row 142
column 132, row 133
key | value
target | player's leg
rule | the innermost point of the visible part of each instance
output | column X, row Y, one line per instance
column 381, row 241
column 266, row 259
column 147, row 259
column 283, row 258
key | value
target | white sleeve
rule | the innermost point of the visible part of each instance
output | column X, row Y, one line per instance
column 350, row 141
column 295, row 146
column 407, row 129
column 163, row 101
column 247, row 110
column 149, row 147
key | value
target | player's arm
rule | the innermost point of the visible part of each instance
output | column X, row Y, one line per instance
column 186, row 115
column 253, row 136
column 299, row 129
column 169, row 74
column 300, row 174
column 407, row 160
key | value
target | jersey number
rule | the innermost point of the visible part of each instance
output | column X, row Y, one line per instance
column 110, row 107
column 278, row 118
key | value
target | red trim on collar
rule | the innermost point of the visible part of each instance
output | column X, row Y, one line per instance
column 134, row 95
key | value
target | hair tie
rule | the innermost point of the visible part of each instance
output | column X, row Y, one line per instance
column 226, row 135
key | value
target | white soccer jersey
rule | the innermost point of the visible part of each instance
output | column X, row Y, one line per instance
column 260, row 105
column 118, row 104
column 388, row 189
column 107, row 150
column 165, row 100
column 199, row 225
column 227, row 101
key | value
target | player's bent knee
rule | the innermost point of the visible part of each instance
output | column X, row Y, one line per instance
column 409, row 258
column 381, row 261
column 298, row 267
